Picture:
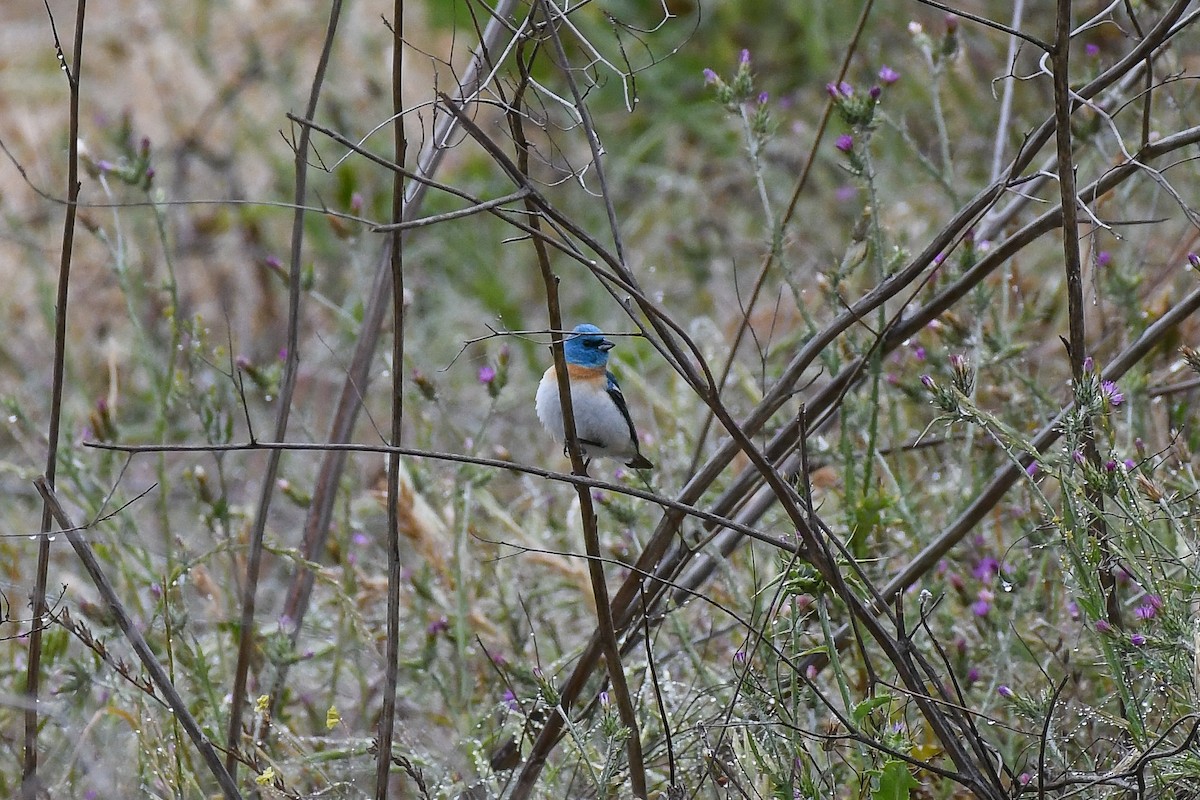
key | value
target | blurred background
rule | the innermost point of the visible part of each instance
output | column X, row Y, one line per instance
column 179, row 282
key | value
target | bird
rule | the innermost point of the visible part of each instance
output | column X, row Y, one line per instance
column 602, row 422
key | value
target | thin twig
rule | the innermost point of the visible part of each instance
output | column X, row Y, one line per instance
column 1006, row 98
column 454, row 458
column 387, row 714
column 157, row 674
column 487, row 205
column 246, row 631
column 320, row 511
column 990, row 23
column 33, row 669
column 587, row 512
column 1073, row 264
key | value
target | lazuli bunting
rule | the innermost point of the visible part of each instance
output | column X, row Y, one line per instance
column 602, row 422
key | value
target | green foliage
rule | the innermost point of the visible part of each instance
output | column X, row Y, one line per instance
column 1081, row 568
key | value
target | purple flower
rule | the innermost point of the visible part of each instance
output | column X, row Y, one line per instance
column 437, row 626
column 1111, row 393
column 739, row 657
column 1024, row 778
column 845, row 193
column 486, row 374
column 1089, row 364
column 510, row 699
column 981, row 607
column 972, row 675
column 1092, row 50
column 919, row 353
column 1130, row 464
column 1073, row 609
column 763, row 97
column 928, row 381
column 845, row 143
column 1104, row 258
column 1103, row 626
column 874, row 92
column 710, row 76
column 839, row 91
column 1137, row 640
column 987, row 569
column 1193, row 261
column 1110, row 466
column 1005, row 692
column 1155, row 601
column 1077, row 456
column 888, row 75
column 1032, row 469
column 1145, row 612
column 744, row 58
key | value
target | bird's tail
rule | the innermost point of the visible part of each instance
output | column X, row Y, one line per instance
column 639, row 461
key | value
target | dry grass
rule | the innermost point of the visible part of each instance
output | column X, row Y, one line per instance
column 175, row 289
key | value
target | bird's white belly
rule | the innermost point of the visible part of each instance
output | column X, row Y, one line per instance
column 601, row 428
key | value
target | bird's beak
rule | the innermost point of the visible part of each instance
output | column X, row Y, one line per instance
column 606, row 345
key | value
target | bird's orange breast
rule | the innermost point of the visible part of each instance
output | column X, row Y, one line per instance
column 582, row 374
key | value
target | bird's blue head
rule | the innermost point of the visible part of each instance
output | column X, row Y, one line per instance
column 587, row 346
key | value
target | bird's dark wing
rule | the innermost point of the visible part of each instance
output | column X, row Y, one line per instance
column 638, row 461
column 614, row 391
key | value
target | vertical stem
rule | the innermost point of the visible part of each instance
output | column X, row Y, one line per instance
column 591, row 528
column 1007, row 96
column 387, row 715
column 754, row 147
column 33, row 670
column 1060, row 60
column 1066, row 184
column 287, row 389
column 358, row 377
